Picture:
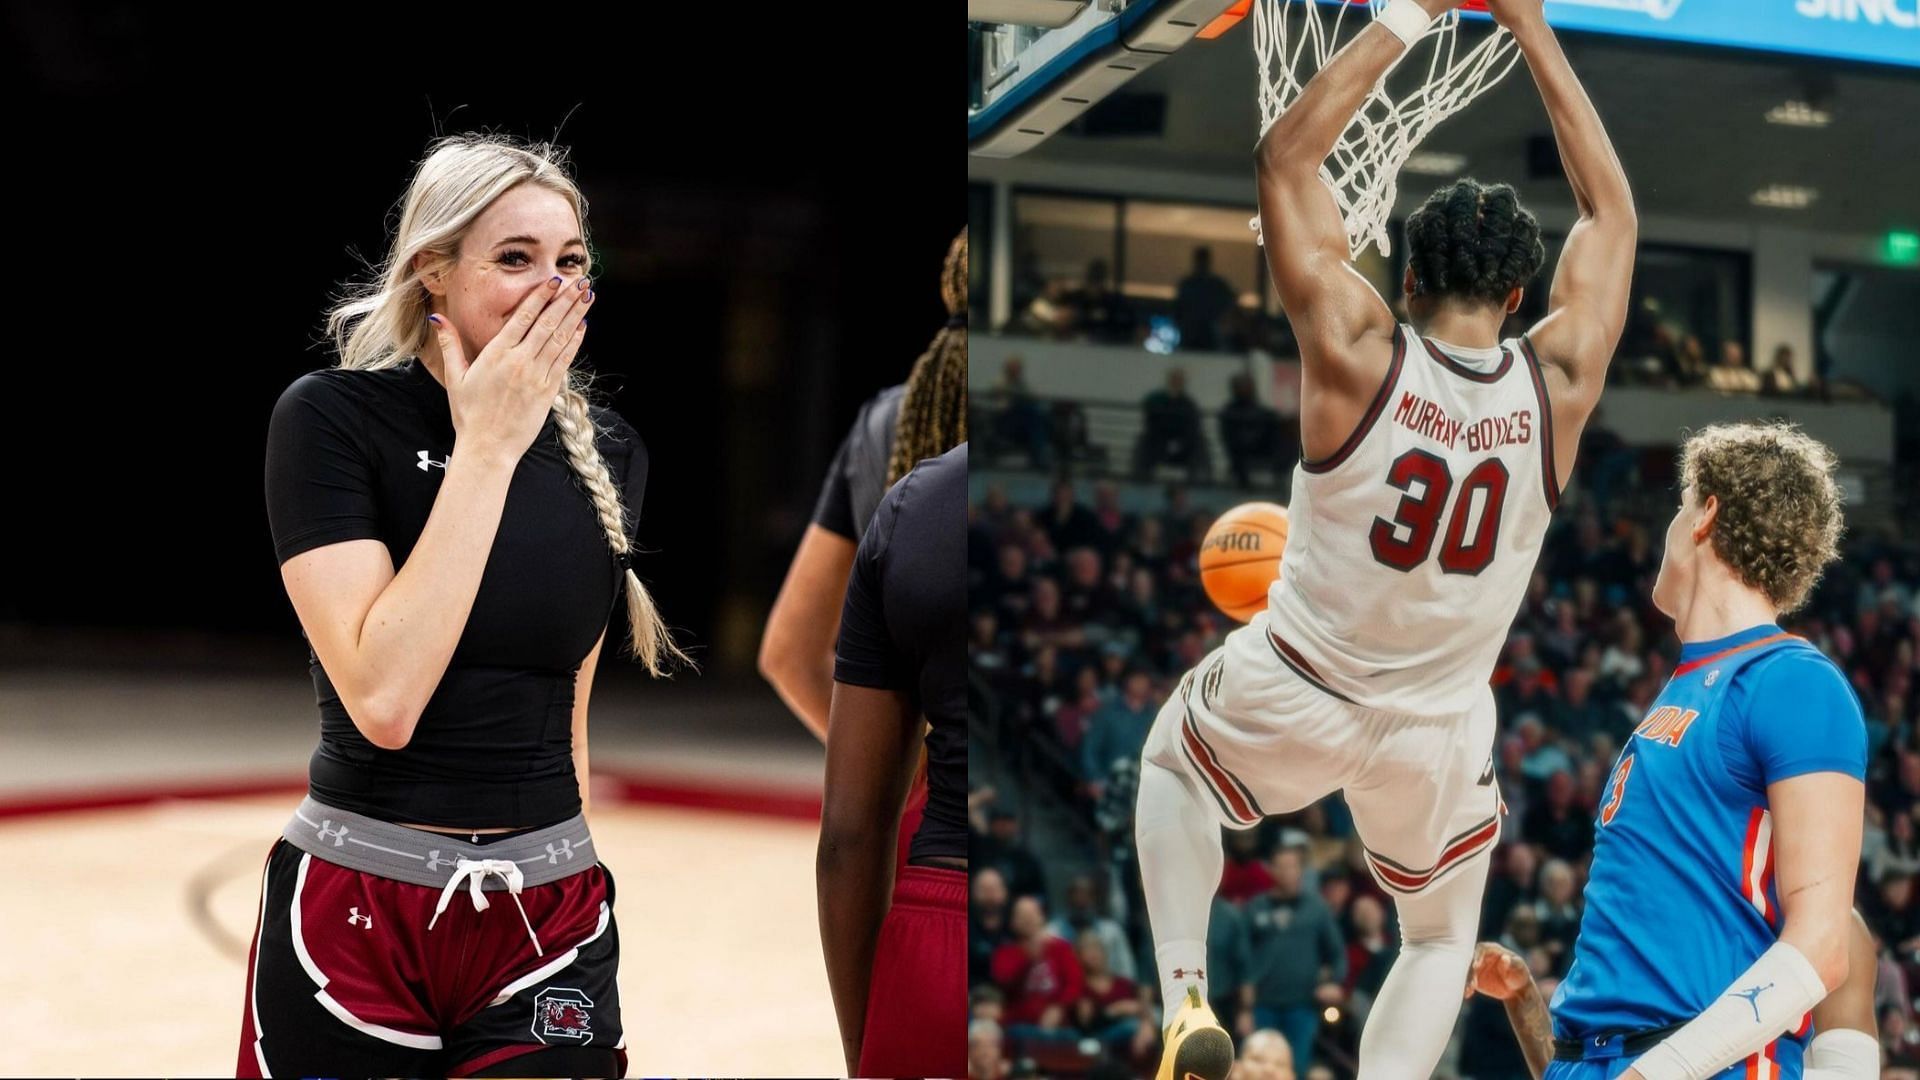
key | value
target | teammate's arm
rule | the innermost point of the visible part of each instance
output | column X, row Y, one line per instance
column 796, row 654
column 1330, row 305
column 1501, row 974
column 1587, row 307
column 870, row 758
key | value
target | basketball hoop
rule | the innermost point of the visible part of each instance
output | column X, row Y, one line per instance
column 1293, row 39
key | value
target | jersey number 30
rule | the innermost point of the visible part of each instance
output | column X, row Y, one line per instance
column 1420, row 516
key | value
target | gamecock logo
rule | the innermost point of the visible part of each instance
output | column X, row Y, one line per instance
column 560, row 1014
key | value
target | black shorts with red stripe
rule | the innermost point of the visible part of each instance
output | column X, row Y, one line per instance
column 344, row 977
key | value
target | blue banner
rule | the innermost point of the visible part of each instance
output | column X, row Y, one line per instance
column 1875, row 31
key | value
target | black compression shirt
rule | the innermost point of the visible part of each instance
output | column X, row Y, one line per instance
column 904, row 628
column 360, row 455
column 857, row 479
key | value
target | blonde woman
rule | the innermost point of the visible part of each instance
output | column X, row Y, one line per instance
column 454, row 526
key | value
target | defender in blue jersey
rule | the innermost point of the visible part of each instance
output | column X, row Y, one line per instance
column 1727, row 839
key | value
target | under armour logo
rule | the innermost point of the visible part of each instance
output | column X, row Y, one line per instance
column 328, row 832
column 1753, row 998
column 427, row 462
column 1712, row 675
column 556, row 851
column 1181, row 973
column 435, row 862
column 355, row 918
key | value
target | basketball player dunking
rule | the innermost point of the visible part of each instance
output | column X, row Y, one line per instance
column 1433, row 455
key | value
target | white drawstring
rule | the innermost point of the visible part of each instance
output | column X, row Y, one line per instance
column 475, row 872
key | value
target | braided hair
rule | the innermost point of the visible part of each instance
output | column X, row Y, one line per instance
column 933, row 411
column 1473, row 241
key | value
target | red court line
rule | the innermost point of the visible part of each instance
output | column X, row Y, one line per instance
column 796, row 804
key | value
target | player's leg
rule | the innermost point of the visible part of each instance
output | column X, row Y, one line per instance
column 1181, row 859
column 1405, row 1034
column 1177, row 831
column 1190, row 786
column 1427, row 812
column 295, row 1025
column 1240, row 738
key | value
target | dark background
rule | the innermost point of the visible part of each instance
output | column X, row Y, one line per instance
column 189, row 196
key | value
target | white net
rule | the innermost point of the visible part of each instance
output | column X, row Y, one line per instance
column 1293, row 39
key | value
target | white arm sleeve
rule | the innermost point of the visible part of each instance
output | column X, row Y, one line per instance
column 1407, row 20
column 1767, row 999
column 1843, row 1054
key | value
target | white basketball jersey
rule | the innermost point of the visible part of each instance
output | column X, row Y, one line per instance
column 1409, row 549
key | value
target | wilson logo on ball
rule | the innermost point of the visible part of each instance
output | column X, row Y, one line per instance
column 1234, row 541
column 1240, row 557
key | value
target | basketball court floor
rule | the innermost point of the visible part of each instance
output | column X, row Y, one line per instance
column 136, row 810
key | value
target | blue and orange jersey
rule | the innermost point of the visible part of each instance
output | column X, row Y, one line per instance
column 1681, row 899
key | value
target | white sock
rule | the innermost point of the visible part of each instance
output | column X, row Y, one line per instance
column 1182, row 964
column 1413, row 1017
column 1180, row 864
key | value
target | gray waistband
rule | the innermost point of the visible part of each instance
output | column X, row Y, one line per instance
column 358, row 842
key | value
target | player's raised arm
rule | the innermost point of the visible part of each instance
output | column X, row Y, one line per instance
column 1587, row 306
column 1329, row 303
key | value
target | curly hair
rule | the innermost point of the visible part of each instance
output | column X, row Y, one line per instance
column 1779, row 520
column 1473, row 241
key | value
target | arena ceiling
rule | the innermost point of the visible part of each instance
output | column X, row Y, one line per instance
column 1690, row 125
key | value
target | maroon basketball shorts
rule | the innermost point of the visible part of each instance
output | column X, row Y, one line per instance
column 388, row 951
column 917, row 1001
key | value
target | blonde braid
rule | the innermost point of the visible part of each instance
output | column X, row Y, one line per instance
column 650, row 638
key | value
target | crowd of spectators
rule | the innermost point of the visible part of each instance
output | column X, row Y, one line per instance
column 1012, row 421
column 1207, row 314
column 1083, row 616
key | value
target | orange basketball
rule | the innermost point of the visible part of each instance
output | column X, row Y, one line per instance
column 1241, row 557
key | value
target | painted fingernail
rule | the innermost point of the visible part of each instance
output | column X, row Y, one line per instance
column 588, row 299
column 434, row 319
column 582, row 284
column 555, row 282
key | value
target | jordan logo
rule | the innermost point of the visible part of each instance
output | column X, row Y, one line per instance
column 427, row 462
column 1753, row 998
column 356, row 919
